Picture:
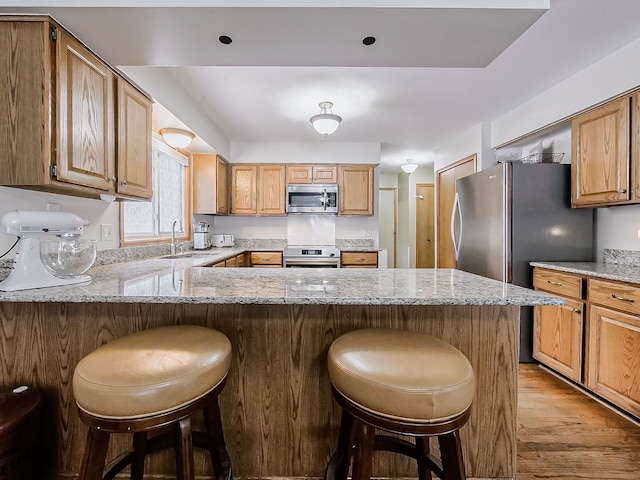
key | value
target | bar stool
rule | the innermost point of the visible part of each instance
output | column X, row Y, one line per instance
column 400, row 382
column 150, row 384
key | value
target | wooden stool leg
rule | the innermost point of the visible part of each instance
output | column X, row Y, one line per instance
column 451, row 455
column 363, row 460
column 184, row 450
column 139, row 452
column 219, row 454
column 95, row 455
column 422, row 447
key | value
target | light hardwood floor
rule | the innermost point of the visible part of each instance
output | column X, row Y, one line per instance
column 564, row 434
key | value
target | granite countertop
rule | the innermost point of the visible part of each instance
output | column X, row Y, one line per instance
column 186, row 280
column 609, row 271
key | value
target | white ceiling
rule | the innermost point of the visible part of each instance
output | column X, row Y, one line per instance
column 433, row 72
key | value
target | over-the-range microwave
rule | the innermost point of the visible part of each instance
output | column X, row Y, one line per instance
column 312, row 198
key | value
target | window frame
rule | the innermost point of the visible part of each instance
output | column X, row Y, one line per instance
column 184, row 158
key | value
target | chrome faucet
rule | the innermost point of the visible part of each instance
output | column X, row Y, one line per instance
column 173, row 235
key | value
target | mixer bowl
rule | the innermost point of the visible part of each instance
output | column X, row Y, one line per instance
column 67, row 257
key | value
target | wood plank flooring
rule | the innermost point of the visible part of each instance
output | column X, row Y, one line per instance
column 563, row 434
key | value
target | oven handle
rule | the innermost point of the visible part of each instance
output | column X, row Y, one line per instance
column 312, row 262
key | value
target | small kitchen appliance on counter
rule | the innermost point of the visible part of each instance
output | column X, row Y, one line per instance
column 201, row 238
column 50, row 252
column 222, row 240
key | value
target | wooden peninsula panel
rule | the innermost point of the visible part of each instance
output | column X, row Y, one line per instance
column 279, row 417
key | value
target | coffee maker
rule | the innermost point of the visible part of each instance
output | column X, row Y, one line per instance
column 201, row 239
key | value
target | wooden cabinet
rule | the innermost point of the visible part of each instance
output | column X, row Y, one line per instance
column 258, row 189
column 72, row 124
column 312, row 174
column 355, row 189
column 359, row 260
column 613, row 369
column 210, row 184
column 266, row 259
column 601, row 156
column 244, row 189
column 133, row 141
column 271, row 190
column 558, row 331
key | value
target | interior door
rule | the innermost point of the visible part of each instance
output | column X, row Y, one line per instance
column 425, row 228
column 445, row 194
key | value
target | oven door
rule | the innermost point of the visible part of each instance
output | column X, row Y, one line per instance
column 298, row 262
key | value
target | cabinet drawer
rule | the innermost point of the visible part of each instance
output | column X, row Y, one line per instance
column 369, row 259
column 565, row 284
column 266, row 258
column 615, row 295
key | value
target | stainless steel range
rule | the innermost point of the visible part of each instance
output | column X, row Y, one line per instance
column 309, row 256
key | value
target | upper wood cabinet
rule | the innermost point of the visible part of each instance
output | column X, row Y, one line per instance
column 271, row 190
column 210, row 184
column 72, row 124
column 244, row 194
column 133, row 141
column 355, row 189
column 601, row 166
column 312, row 174
column 258, row 189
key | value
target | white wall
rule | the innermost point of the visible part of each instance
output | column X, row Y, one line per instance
column 616, row 227
column 96, row 211
column 461, row 146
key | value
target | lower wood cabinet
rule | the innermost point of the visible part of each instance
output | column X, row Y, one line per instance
column 613, row 368
column 359, row 260
column 558, row 331
column 266, row 259
column 598, row 346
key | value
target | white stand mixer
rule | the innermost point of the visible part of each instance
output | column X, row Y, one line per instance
column 30, row 226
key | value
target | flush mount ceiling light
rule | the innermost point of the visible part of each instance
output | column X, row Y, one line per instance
column 326, row 122
column 176, row 137
column 409, row 167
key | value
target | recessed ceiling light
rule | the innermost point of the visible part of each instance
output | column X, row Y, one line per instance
column 369, row 40
column 225, row 39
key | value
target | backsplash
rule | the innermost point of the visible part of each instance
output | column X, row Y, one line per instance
column 621, row 257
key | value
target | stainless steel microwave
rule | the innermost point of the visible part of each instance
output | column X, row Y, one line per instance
column 312, row 198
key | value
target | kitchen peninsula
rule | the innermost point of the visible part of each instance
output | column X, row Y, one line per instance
column 278, row 413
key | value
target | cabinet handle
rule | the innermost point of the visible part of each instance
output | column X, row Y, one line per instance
column 124, row 182
column 623, row 299
column 559, row 284
column 576, row 310
column 622, row 190
column 359, row 259
column 113, row 179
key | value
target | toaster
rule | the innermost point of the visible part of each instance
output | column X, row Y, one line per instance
column 222, row 240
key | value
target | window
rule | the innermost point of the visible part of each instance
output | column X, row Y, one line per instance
column 151, row 221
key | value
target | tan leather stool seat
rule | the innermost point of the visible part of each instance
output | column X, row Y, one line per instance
column 401, row 374
column 151, row 372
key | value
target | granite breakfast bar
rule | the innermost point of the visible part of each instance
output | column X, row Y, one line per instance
column 278, row 413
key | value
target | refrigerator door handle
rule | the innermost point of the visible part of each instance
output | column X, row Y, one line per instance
column 456, row 241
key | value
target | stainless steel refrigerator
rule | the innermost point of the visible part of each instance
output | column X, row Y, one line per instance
column 511, row 214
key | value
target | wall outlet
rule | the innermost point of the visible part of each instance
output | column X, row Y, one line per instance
column 106, row 232
column 366, row 233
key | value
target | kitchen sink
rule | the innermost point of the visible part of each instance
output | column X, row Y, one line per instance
column 191, row 255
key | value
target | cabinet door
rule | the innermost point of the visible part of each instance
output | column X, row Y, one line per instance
column 271, row 190
column 558, row 337
column 325, row 174
column 600, row 144
column 243, row 189
column 86, row 145
column 614, row 357
column 355, row 189
column 299, row 174
column 134, row 142
column 222, row 189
